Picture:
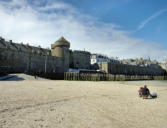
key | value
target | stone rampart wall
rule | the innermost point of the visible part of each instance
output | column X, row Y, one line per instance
column 17, row 61
column 113, row 68
column 80, row 59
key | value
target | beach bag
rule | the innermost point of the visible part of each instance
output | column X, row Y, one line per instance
column 154, row 95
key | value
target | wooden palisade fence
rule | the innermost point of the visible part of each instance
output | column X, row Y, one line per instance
column 108, row 77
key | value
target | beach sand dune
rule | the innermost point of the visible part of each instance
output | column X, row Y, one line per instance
column 78, row 104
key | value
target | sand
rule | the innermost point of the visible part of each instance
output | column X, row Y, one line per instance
column 78, row 104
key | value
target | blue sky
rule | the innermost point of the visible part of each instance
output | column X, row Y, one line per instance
column 122, row 28
column 129, row 14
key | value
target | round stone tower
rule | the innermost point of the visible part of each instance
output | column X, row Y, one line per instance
column 60, row 49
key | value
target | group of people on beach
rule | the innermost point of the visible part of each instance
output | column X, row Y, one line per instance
column 144, row 92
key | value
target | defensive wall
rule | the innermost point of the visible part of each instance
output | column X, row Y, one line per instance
column 19, row 58
column 164, row 66
column 113, row 68
column 24, row 58
column 79, row 59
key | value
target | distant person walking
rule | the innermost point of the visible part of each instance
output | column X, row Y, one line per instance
column 35, row 76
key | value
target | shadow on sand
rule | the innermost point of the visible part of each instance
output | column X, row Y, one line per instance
column 150, row 98
column 11, row 78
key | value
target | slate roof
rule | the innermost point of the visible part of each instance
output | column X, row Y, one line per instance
column 23, row 48
column 61, row 42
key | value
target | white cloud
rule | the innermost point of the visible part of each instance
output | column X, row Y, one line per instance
column 146, row 21
column 57, row 6
column 23, row 22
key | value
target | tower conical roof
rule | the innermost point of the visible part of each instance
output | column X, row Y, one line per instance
column 62, row 39
column 61, row 42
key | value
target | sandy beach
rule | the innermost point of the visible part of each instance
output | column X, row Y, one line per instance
column 81, row 104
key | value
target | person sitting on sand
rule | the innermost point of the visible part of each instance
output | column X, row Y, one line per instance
column 145, row 92
column 140, row 91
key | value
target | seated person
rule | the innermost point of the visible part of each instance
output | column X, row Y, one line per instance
column 145, row 92
column 140, row 91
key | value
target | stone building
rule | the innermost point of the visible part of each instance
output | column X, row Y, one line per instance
column 61, row 49
column 79, row 59
column 96, row 58
column 164, row 64
column 24, row 58
column 141, row 62
column 114, row 68
column 15, row 58
column 19, row 58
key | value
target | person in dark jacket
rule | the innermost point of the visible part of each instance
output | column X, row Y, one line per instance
column 145, row 92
